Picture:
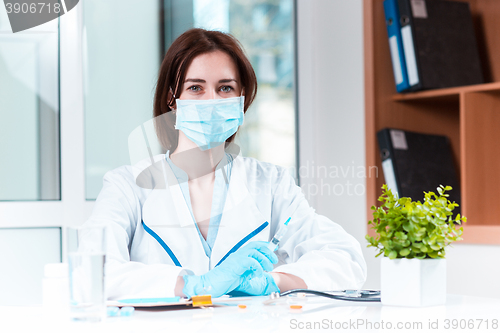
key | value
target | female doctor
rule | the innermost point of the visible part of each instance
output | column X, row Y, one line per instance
column 204, row 224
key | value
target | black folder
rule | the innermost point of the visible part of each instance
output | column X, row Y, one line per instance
column 414, row 162
column 439, row 43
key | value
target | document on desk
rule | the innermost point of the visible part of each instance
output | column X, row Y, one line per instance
column 173, row 301
column 150, row 302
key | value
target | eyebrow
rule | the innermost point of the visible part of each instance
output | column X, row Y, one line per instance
column 203, row 81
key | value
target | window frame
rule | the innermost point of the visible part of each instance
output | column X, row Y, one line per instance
column 72, row 209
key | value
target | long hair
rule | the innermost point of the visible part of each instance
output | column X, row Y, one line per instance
column 176, row 62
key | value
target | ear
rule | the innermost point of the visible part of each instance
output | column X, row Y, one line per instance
column 171, row 100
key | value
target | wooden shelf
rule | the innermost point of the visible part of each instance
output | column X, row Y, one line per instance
column 469, row 116
column 481, row 234
column 438, row 93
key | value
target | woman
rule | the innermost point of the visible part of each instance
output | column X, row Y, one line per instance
column 204, row 222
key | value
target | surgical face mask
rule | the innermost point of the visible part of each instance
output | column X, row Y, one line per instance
column 209, row 123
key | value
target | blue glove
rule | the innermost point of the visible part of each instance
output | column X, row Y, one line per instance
column 247, row 262
column 259, row 285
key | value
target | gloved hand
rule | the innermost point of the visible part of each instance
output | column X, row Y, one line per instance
column 247, row 262
column 259, row 285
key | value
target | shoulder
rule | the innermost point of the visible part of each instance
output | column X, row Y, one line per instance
column 133, row 177
column 119, row 183
column 120, row 175
column 254, row 165
column 264, row 172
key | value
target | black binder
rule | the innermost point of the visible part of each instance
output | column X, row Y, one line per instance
column 439, row 43
column 413, row 163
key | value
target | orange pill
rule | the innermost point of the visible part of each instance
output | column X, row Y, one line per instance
column 242, row 306
column 296, row 307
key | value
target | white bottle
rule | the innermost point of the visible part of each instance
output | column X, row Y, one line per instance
column 56, row 287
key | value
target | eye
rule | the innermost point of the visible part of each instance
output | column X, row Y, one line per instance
column 226, row 89
column 194, row 88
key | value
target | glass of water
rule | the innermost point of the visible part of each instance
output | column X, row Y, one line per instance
column 86, row 248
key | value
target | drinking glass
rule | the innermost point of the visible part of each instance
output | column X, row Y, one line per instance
column 86, row 248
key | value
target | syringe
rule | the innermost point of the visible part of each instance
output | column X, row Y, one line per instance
column 274, row 243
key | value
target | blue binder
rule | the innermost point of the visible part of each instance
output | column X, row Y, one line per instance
column 392, row 19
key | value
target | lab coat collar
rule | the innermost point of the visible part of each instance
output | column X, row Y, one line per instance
column 183, row 214
column 240, row 218
column 174, row 174
column 166, row 215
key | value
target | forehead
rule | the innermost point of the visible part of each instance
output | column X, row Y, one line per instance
column 216, row 65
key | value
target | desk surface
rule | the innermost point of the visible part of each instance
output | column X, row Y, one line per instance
column 474, row 314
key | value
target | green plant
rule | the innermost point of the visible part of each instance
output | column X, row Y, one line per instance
column 411, row 229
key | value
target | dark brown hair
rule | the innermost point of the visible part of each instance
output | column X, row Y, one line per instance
column 178, row 58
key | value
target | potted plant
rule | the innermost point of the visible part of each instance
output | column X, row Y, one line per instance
column 413, row 236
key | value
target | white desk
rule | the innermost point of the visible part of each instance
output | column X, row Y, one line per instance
column 320, row 313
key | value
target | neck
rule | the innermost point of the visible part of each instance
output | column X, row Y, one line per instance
column 194, row 161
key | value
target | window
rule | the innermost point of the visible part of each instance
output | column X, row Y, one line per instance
column 29, row 112
column 121, row 59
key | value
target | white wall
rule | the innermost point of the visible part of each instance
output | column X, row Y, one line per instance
column 332, row 137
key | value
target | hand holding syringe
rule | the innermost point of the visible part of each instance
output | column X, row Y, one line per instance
column 274, row 243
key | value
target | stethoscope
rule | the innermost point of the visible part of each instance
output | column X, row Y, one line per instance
column 343, row 295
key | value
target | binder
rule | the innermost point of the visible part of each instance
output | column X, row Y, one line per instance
column 408, row 41
column 414, row 162
column 439, row 44
column 392, row 21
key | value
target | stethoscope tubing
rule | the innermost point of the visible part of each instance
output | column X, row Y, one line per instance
column 365, row 295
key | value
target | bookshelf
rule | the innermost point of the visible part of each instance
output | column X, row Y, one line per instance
column 469, row 116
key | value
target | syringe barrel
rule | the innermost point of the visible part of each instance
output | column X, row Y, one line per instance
column 281, row 232
column 273, row 245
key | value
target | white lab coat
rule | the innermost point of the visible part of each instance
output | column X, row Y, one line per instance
column 145, row 225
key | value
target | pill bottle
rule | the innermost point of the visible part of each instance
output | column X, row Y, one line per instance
column 56, row 287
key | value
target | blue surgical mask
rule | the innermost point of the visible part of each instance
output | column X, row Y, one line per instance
column 209, row 122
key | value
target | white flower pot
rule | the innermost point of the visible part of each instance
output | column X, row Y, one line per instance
column 413, row 282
